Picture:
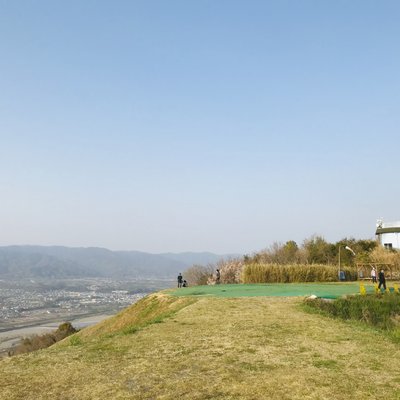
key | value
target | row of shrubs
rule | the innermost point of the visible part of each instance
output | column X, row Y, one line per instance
column 269, row 273
column 379, row 310
column 38, row 342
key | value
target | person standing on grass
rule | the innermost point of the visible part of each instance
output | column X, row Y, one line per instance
column 382, row 279
column 180, row 280
column 217, row 277
column 373, row 275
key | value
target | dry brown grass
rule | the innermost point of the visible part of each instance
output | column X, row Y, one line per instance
column 214, row 348
column 152, row 309
column 289, row 273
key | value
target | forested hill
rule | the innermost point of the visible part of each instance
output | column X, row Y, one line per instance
column 65, row 262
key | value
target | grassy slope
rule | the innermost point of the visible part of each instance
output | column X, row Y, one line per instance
column 211, row 348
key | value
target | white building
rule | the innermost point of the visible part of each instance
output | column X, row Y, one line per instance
column 388, row 234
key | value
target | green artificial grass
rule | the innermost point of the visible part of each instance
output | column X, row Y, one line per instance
column 325, row 290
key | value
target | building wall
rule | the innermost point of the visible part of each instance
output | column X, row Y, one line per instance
column 393, row 238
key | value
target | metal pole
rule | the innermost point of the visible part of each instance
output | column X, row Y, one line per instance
column 339, row 263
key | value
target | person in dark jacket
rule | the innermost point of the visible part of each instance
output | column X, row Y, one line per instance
column 217, row 277
column 382, row 279
column 180, row 280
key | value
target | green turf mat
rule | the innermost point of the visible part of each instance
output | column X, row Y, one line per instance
column 326, row 290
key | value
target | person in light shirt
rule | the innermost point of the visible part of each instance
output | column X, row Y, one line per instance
column 373, row 275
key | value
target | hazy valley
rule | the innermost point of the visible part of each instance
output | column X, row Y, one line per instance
column 42, row 285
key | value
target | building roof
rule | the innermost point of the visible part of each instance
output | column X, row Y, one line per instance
column 388, row 228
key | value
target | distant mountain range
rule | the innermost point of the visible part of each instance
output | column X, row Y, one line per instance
column 59, row 262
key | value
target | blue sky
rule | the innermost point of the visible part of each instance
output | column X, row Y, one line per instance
column 197, row 125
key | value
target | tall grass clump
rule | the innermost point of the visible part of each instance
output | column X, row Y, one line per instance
column 198, row 274
column 381, row 311
column 290, row 273
column 230, row 272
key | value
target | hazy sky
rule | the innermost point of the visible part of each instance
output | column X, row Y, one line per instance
column 197, row 125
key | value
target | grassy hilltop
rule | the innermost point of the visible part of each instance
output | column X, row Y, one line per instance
column 207, row 347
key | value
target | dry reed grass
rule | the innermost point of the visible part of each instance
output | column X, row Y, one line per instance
column 291, row 273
